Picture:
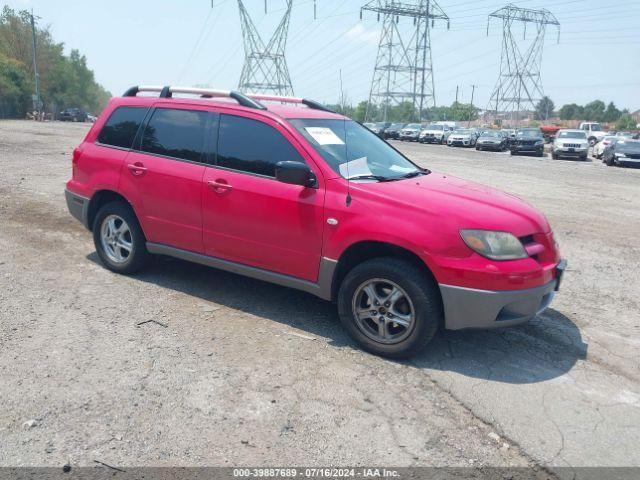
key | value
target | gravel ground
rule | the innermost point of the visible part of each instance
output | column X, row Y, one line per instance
column 236, row 371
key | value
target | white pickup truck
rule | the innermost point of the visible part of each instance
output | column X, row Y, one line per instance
column 594, row 132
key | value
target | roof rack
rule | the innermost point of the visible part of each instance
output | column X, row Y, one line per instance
column 167, row 92
column 276, row 98
column 246, row 100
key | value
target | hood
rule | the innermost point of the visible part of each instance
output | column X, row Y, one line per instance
column 410, row 130
column 489, row 139
column 434, row 132
column 454, row 203
column 460, row 135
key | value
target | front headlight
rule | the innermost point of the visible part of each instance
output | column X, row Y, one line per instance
column 540, row 142
column 494, row 245
column 620, row 155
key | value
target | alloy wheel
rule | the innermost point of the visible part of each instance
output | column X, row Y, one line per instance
column 116, row 239
column 383, row 311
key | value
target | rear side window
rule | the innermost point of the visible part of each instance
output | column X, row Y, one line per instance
column 122, row 126
column 252, row 146
column 176, row 133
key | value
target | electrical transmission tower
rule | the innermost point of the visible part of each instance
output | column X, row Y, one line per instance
column 265, row 68
column 404, row 69
column 519, row 86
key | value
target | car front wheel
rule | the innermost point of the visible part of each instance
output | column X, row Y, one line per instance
column 118, row 238
column 390, row 307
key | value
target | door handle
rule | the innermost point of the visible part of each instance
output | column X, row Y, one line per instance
column 137, row 169
column 219, row 187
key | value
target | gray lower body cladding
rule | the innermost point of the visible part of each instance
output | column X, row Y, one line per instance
column 472, row 308
column 78, row 207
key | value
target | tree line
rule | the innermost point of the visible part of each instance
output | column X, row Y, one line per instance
column 595, row 111
column 65, row 80
column 404, row 112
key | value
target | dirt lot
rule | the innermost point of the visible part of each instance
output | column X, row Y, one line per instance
column 241, row 372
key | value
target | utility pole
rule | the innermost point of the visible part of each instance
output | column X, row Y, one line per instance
column 473, row 90
column 519, row 85
column 265, row 67
column 36, row 99
column 404, row 67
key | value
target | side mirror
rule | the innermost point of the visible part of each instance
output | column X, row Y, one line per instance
column 295, row 173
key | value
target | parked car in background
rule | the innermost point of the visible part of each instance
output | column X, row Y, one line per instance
column 594, row 130
column 434, row 133
column 410, row 132
column 380, row 127
column 621, row 152
column 600, row 147
column 393, row 131
column 570, row 143
column 463, row 137
column 491, row 140
column 528, row 140
column 73, row 115
column 632, row 136
column 91, row 118
column 369, row 125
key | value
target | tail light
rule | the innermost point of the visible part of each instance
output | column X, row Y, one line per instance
column 77, row 152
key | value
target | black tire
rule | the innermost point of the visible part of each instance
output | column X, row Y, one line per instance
column 138, row 256
column 583, row 158
column 512, row 152
column 554, row 156
column 422, row 291
column 608, row 162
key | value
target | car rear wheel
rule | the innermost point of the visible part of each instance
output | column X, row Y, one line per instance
column 118, row 238
column 390, row 307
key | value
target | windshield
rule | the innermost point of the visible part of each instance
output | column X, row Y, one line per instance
column 491, row 133
column 434, row 127
column 413, row 126
column 356, row 154
column 397, row 125
column 594, row 127
column 628, row 146
column 580, row 135
column 529, row 133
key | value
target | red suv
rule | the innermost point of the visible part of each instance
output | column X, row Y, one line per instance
column 286, row 191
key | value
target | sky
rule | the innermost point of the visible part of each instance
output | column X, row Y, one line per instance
column 189, row 42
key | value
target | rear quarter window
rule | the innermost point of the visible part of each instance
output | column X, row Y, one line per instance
column 122, row 126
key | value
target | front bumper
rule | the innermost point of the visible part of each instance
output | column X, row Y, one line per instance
column 473, row 308
column 408, row 137
column 566, row 152
column 78, row 207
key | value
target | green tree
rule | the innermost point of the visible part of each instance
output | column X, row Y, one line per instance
column 594, row 111
column 360, row 112
column 625, row 122
column 572, row 111
column 14, row 88
column 544, row 109
column 611, row 114
column 65, row 81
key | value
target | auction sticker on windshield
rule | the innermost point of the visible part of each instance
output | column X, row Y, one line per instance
column 324, row 136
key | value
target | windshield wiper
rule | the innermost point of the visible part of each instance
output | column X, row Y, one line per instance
column 413, row 174
column 370, row 177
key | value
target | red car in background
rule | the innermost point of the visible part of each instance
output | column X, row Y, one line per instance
column 283, row 190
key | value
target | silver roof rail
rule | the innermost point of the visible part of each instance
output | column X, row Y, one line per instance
column 250, row 100
column 168, row 91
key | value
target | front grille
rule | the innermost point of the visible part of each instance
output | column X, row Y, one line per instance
column 527, row 143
